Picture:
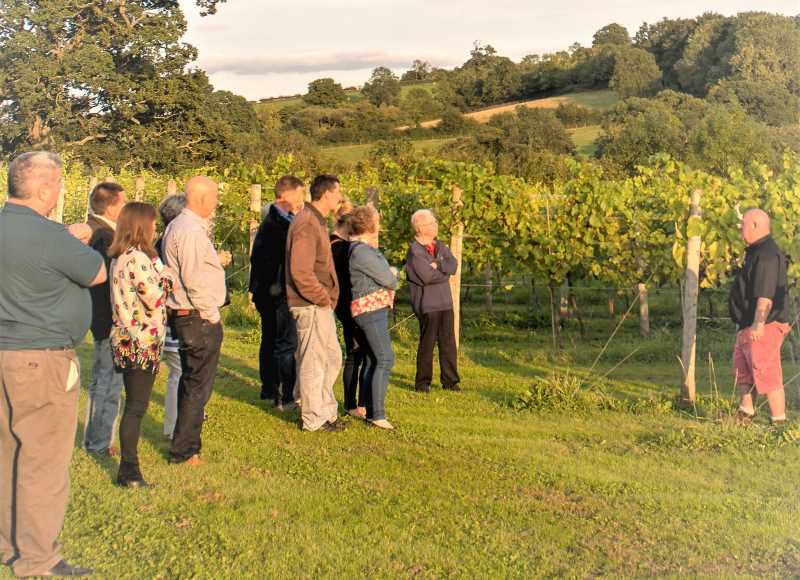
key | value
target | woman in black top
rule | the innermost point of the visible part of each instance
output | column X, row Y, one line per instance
column 355, row 343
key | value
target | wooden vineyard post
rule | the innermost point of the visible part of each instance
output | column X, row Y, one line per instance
column 139, row 193
column 374, row 201
column 644, row 310
column 690, row 296
column 255, row 208
column 457, row 247
column 57, row 213
column 92, row 185
column 374, row 198
column 488, row 276
column 172, row 187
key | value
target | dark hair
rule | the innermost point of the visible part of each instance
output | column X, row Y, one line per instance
column 134, row 230
column 103, row 195
column 321, row 185
column 171, row 207
column 24, row 168
column 363, row 220
column 287, row 183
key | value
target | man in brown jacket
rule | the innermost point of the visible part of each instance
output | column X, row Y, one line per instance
column 312, row 291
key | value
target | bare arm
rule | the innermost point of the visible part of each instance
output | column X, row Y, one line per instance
column 102, row 276
column 763, row 308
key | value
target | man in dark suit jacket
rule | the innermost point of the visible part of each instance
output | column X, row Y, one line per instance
column 268, row 287
column 429, row 265
column 106, row 202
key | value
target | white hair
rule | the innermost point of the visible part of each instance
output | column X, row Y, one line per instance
column 28, row 170
column 418, row 214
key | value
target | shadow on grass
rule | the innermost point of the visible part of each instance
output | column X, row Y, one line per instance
column 237, row 380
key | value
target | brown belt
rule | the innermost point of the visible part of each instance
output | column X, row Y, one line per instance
column 182, row 312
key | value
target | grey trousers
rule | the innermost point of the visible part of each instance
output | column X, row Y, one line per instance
column 173, row 360
column 38, row 418
column 319, row 360
column 102, row 405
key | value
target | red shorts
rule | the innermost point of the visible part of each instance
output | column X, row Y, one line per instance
column 759, row 362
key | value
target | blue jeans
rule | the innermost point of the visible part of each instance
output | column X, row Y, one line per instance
column 380, row 360
column 103, row 403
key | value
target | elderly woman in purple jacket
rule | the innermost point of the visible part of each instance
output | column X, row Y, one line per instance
column 374, row 283
column 429, row 265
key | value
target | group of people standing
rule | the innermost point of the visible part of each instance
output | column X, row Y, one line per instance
column 150, row 300
column 304, row 278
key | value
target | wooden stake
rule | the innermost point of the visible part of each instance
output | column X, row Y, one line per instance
column 457, row 247
column 172, row 187
column 255, row 208
column 374, row 197
column 139, row 195
column 57, row 213
column 489, row 280
column 92, row 185
column 691, row 292
column 644, row 310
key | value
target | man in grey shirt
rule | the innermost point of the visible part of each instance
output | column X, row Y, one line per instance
column 45, row 311
column 197, row 295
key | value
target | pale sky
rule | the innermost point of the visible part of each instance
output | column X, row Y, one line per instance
column 267, row 48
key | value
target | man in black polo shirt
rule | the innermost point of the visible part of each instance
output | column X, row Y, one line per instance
column 760, row 308
column 45, row 312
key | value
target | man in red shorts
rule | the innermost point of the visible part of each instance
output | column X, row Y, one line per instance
column 759, row 306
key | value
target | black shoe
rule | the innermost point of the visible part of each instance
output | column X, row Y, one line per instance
column 421, row 389
column 134, row 483
column 454, row 388
column 10, row 561
column 62, row 569
column 333, row 427
column 129, row 475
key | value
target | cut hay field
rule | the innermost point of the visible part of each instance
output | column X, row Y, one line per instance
column 598, row 100
column 566, row 485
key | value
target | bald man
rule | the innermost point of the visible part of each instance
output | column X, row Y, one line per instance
column 197, row 295
column 759, row 306
column 429, row 265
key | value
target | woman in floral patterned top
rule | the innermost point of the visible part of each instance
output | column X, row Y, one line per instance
column 139, row 286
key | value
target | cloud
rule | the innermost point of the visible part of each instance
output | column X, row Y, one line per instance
column 311, row 62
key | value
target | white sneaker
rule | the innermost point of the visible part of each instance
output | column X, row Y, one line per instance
column 382, row 424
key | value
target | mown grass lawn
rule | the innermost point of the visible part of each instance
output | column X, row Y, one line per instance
column 466, row 486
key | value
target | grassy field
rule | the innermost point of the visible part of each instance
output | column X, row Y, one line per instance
column 467, row 486
column 274, row 105
column 585, row 139
column 356, row 153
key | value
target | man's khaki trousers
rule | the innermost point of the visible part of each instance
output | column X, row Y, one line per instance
column 38, row 418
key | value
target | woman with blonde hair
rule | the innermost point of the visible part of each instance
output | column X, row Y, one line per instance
column 355, row 343
column 374, row 283
column 139, row 287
